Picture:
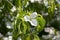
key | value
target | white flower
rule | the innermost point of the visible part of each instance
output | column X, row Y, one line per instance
column 1, row 35
column 49, row 30
column 10, row 37
column 56, row 38
column 13, row 9
column 33, row 15
column 9, row 33
column 32, row 1
column 19, row 38
column 5, row 38
column 9, row 25
column 46, row 2
column 33, row 22
column 27, row 18
column 52, row 30
column 56, row 8
column 31, row 19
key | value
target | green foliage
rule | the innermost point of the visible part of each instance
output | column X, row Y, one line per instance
column 41, row 23
column 22, row 28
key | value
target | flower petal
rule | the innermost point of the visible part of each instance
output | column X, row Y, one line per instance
column 5, row 38
column 47, row 29
column 9, row 25
column 32, row 1
column 13, row 9
column 19, row 38
column 26, row 18
column 46, row 2
column 1, row 35
column 10, row 37
column 33, row 15
column 33, row 22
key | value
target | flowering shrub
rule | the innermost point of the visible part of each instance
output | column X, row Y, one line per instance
column 29, row 19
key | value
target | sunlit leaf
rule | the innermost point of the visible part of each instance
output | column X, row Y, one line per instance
column 41, row 23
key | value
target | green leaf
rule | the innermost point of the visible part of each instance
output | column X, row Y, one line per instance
column 16, row 28
column 17, row 2
column 41, row 23
column 24, row 27
column 27, row 37
column 36, row 37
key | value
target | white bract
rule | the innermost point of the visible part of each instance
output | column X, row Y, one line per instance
column 32, row 1
column 49, row 30
column 9, row 25
column 56, row 8
column 27, row 18
column 33, row 15
column 13, row 9
column 19, row 38
column 33, row 22
column 5, row 38
column 10, row 37
column 31, row 19
column 46, row 2
column 56, row 38
column 1, row 35
column 9, row 33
